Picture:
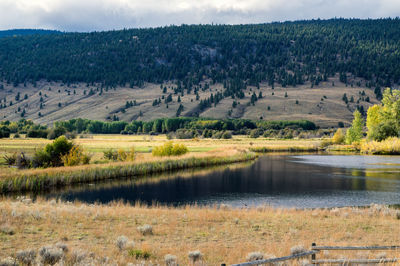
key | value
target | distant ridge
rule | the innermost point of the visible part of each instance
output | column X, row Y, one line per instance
column 22, row 32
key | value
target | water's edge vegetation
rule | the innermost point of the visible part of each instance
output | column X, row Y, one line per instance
column 42, row 180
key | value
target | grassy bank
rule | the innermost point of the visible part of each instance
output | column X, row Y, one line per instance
column 285, row 149
column 222, row 235
column 40, row 179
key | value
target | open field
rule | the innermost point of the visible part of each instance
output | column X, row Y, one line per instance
column 322, row 104
column 222, row 235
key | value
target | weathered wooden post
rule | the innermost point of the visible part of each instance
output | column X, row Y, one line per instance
column 313, row 256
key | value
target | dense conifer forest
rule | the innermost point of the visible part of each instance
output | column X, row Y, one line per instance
column 288, row 54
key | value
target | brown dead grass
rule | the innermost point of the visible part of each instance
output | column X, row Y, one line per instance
column 223, row 235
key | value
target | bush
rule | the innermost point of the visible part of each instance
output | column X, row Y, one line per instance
column 226, row 135
column 254, row 256
column 383, row 131
column 4, row 132
column 56, row 132
column 121, row 242
column 120, row 155
column 51, row 255
column 22, row 161
column 75, row 156
column 145, row 229
column 26, row 257
column 10, row 159
column 169, row 149
column 195, row 256
column 170, row 260
column 255, row 133
column 339, row 137
column 52, row 153
column 16, row 136
column 37, row 133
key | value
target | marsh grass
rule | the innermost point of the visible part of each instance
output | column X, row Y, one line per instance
column 390, row 146
column 42, row 179
column 285, row 149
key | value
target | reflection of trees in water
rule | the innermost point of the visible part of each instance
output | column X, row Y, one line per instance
column 268, row 175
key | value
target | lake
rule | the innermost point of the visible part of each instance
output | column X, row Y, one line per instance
column 301, row 181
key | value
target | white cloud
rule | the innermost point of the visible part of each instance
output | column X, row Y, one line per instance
column 88, row 15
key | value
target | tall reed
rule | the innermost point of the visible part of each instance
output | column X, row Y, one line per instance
column 37, row 181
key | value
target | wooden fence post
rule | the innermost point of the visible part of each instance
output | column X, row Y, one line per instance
column 313, row 256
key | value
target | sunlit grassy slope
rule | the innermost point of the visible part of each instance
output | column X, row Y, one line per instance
column 322, row 104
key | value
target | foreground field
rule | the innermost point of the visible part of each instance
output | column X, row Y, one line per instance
column 222, row 235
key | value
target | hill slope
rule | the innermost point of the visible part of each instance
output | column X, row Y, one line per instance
column 211, row 68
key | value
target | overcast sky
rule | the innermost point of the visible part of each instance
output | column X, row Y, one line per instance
column 90, row 15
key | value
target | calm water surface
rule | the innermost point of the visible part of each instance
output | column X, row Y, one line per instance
column 303, row 181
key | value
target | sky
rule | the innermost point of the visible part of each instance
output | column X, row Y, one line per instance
column 97, row 15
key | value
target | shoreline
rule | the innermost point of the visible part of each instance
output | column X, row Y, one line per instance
column 59, row 177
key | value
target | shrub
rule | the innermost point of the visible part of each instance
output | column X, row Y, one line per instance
column 4, row 132
column 26, row 257
column 297, row 250
column 50, row 255
column 385, row 147
column 383, row 131
column 56, row 132
column 325, row 143
column 10, row 159
column 52, row 153
column 226, row 135
column 145, row 229
column 16, row 136
column 170, row 260
column 121, row 242
column 255, row 133
column 195, row 256
column 75, row 157
column 253, row 256
column 338, row 137
column 22, row 161
column 169, row 149
column 120, row 155
column 37, row 133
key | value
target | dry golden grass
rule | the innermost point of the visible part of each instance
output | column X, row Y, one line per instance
column 223, row 235
column 322, row 104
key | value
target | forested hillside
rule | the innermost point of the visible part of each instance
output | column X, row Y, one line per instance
column 22, row 32
column 319, row 70
column 284, row 53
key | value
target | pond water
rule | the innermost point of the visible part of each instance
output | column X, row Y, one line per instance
column 301, row 181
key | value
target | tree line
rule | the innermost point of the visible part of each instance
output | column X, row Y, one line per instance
column 207, row 127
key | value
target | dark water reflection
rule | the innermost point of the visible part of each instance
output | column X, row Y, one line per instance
column 305, row 181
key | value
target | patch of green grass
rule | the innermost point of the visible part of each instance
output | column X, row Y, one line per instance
column 139, row 254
